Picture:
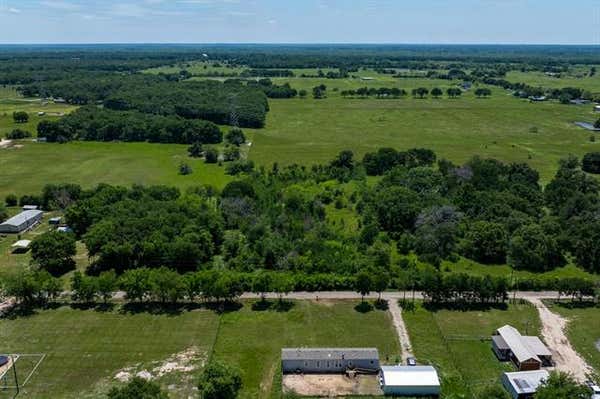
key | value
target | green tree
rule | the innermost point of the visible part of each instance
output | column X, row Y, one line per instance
column 219, row 381
column 381, row 281
column 283, row 284
column 531, row 248
column 211, row 155
column 106, row 284
column 195, row 150
column 485, row 242
column 436, row 92
column 53, row 251
column 138, row 388
column 235, row 137
column 302, row 93
column 454, row 92
column 135, row 283
column 420, row 92
column 591, row 162
column 231, row 153
column 363, row 283
column 11, row 200
column 20, row 117
column 262, row 282
column 562, row 386
column 597, row 124
column 483, row 92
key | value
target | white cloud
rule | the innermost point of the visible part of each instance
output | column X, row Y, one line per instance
column 14, row 10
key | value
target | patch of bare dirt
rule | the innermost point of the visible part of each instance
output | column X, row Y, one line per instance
column 183, row 362
column 331, row 385
column 403, row 337
column 563, row 354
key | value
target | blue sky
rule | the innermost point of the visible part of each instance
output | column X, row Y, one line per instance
column 300, row 21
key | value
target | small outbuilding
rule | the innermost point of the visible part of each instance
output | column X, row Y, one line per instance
column 21, row 222
column 21, row 246
column 524, row 384
column 55, row 220
column 329, row 360
column 596, row 108
column 526, row 352
column 409, row 381
column 29, row 207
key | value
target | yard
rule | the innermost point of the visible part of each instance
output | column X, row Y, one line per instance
column 87, row 350
column 458, row 342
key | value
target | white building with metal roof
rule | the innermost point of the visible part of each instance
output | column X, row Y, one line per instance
column 328, row 360
column 524, row 384
column 21, row 222
column 409, row 380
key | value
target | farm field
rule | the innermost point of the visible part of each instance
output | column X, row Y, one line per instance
column 307, row 131
column 29, row 168
column 457, row 342
column 85, row 349
column 577, row 78
column 583, row 329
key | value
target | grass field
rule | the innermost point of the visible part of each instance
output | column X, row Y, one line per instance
column 457, row 343
column 583, row 329
column 27, row 169
column 578, row 78
column 308, row 131
column 11, row 101
column 85, row 349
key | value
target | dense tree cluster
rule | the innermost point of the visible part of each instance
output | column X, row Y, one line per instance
column 100, row 124
column 385, row 159
column 381, row 92
column 274, row 91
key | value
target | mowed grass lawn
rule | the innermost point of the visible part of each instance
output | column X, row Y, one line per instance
column 27, row 169
column 578, row 78
column 308, row 131
column 86, row 348
column 457, row 343
column 583, row 330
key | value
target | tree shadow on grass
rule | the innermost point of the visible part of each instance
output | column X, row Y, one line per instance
column 98, row 307
column 576, row 304
column 283, row 306
column 464, row 306
column 277, row 306
column 262, row 305
column 22, row 310
column 381, row 304
column 363, row 307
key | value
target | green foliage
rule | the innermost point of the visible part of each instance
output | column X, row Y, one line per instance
column 138, row 388
column 493, row 392
column 18, row 134
column 483, row 92
column 485, row 242
column 195, row 150
column 562, row 385
column 20, row 117
column 53, row 252
column 211, row 155
column 185, row 169
column 591, row 162
column 531, row 248
column 235, row 136
column 219, row 381
column 436, row 92
column 11, row 200
column 30, row 287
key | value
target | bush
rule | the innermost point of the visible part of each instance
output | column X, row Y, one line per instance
column 219, row 381
column 17, row 134
column 53, row 252
column 11, row 200
column 185, row 169
column 235, row 137
column 211, row 156
column 591, row 162
column 20, row 117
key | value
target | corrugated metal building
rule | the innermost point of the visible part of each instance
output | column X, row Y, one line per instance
column 21, row 222
column 526, row 352
column 524, row 384
column 409, row 381
column 328, row 360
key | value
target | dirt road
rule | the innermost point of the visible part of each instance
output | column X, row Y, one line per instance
column 403, row 338
column 553, row 331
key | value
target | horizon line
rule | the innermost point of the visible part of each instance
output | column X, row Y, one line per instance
column 297, row 44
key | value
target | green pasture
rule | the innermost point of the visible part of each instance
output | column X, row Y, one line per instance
column 309, row 131
column 577, row 78
column 458, row 342
column 85, row 349
column 27, row 169
column 583, row 329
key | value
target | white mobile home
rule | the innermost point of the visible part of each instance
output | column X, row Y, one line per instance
column 328, row 360
column 21, row 222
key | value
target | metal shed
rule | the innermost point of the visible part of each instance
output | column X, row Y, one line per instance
column 409, row 381
column 21, row 222
column 524, row 384
column 328, row 360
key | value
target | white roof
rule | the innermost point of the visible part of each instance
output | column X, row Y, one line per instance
column 22, row 244
column 517, row 344
column 22, row 217
column 524, row 382
column 536, row 345
column 424, row 376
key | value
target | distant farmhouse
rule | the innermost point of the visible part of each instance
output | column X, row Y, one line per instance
column 328, row 360
column 524, row 384
column 21, row 222
column 526, row 352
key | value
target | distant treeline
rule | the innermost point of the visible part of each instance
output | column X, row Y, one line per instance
column 100, row 124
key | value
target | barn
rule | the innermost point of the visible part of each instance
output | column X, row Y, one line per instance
column 409, row 381
column 328, row 360
column 526, row 352
column 524, row 384
column 21, row 222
